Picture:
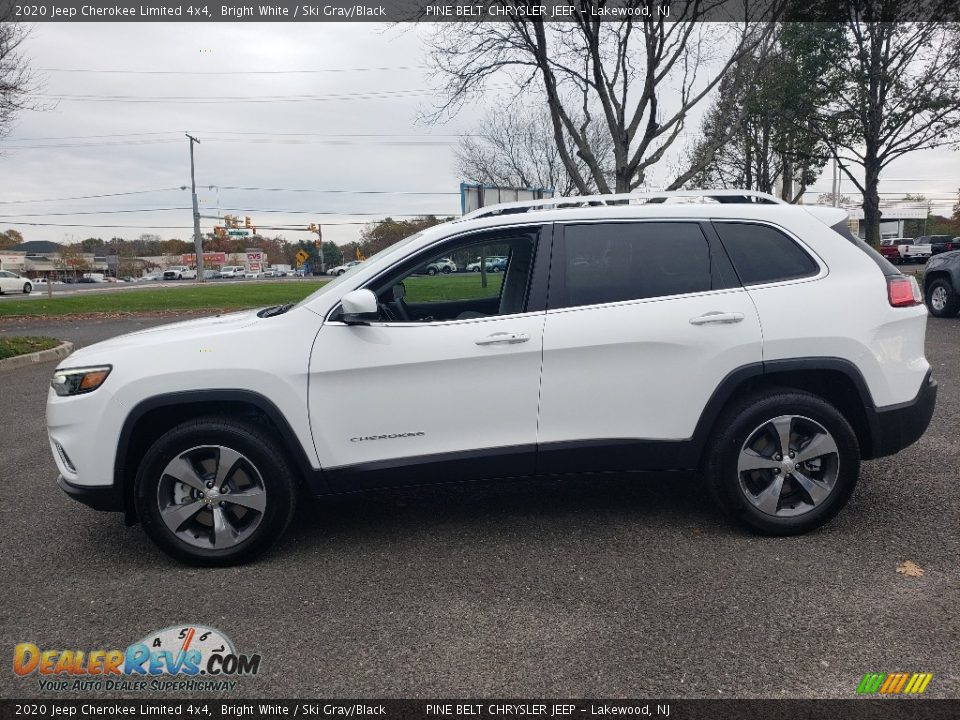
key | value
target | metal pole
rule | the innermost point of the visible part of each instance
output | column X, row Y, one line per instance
column 323, row 264
column 836, row 185
column 197, row 240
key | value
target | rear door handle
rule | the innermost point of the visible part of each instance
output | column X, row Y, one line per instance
column 504, row 338
column 720, row 318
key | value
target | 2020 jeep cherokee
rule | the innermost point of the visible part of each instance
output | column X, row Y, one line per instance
column 755, row 341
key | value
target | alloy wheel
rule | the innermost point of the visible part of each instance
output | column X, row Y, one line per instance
column 788, row 466
column 938, row 298
column 211, row 497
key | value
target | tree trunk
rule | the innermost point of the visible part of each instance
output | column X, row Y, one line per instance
column 871, row 199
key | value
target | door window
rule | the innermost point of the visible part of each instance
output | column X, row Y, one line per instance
column 471, row 278
column 762, row 254
column 612, row 262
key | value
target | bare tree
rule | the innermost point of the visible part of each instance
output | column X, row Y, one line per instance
column 17, row 83
column 638, row 77
column 900, row 93
column 511, row 149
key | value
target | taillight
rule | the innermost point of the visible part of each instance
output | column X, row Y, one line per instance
column 903, row 291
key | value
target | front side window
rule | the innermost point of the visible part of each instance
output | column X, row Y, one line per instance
column 762, row 254
column 612, row 262
column 469, row 278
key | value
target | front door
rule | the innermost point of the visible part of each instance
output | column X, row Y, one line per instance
column 445, row 385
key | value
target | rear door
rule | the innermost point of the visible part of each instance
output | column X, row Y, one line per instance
column 644, row 321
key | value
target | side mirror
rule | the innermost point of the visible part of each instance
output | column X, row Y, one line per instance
column 359, row 307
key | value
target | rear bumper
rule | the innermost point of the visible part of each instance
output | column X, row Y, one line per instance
column 102, row 497
column 899, row 426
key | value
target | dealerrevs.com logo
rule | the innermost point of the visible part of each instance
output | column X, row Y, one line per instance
column 178, row 658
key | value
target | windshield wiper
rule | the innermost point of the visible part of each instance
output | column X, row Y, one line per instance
column 274, row 310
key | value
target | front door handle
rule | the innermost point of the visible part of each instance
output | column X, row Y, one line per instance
column 504, row 338
column 720, row 318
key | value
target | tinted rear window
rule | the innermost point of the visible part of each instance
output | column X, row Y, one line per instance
column 610, row 262
column 762, row 254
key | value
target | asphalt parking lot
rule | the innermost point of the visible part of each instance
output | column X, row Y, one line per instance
column 587, row 587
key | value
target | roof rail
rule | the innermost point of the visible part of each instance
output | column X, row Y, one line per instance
column 723, row 196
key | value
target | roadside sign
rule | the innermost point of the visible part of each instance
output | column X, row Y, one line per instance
column 302, row 256
column 239, row 233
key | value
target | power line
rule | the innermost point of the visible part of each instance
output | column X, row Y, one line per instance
column 233, row 72
column 96, row 212
column 88, row 197
column 349, row 192
column 84, row 145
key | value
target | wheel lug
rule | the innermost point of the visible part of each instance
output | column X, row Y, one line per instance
column 224, row 489
column 792, row 455
column 222, row 503
column 201, row 494
column 209, row 485
column 778, row 457
column 776, row 471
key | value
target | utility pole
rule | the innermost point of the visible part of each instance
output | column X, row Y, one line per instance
column 197, row 240
column 323, row 265
column 836, row 185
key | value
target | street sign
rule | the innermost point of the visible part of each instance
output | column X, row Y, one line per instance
column 239, row 232
column 302, row 257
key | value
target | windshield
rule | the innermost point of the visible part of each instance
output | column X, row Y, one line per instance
column 339, row 280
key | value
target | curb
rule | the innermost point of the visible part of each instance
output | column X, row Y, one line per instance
column 57, row 353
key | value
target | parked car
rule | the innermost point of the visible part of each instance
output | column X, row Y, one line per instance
column 211, row 274
column 493, row 264
column 341, row 269
column 912, row 249
column 86, row 279
column 443, row 265
column 231, row 271
column 939, row 243
column 758, row 341
column 156, row 275
column 11, row 282
column 941, row 284
column 253, row 274
column 896, row 249
column 93, row 277
column 179, row 272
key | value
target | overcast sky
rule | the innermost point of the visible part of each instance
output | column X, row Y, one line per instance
column 358, row 131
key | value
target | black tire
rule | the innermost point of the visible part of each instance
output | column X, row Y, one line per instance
column 431, row 271
column 476, row 269
column 734, row 428
column 250, row 440
column 27, row 288
column 446, row 270
column 951, row 304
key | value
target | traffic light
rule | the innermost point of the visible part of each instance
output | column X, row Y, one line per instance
column 312, row 227
column 247, row 223
column 316, row 244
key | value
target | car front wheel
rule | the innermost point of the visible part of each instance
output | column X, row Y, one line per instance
column 942, row 300
column 215, row 491
column 784, row 462
column 27, row 288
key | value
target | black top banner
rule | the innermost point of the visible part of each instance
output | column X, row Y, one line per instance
column 479, row 10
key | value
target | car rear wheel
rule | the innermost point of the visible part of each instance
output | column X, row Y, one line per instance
column 431, row 271
column 215, row 491
column 783, row 463
column 942, row 300
column 27, row 288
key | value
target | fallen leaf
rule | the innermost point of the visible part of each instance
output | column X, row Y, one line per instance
column 910, row 569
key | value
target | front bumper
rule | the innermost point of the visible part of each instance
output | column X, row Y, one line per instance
column 899, row 426
column 100, row 497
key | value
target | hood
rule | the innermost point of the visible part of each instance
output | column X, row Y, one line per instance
column 186, row 330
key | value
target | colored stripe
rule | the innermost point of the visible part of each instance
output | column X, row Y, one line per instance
column 900, row 682
column 891, row 678
column 923, row 685
column 877, row 680
column 865, row 683
column 913, row 682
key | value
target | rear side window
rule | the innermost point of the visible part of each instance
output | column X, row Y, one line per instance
column 762, row 254
column 843, row 230
column 611, row 262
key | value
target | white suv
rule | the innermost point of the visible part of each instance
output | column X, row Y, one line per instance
column 755, row 341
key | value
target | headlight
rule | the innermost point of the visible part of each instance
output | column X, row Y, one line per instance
column 76, row 381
